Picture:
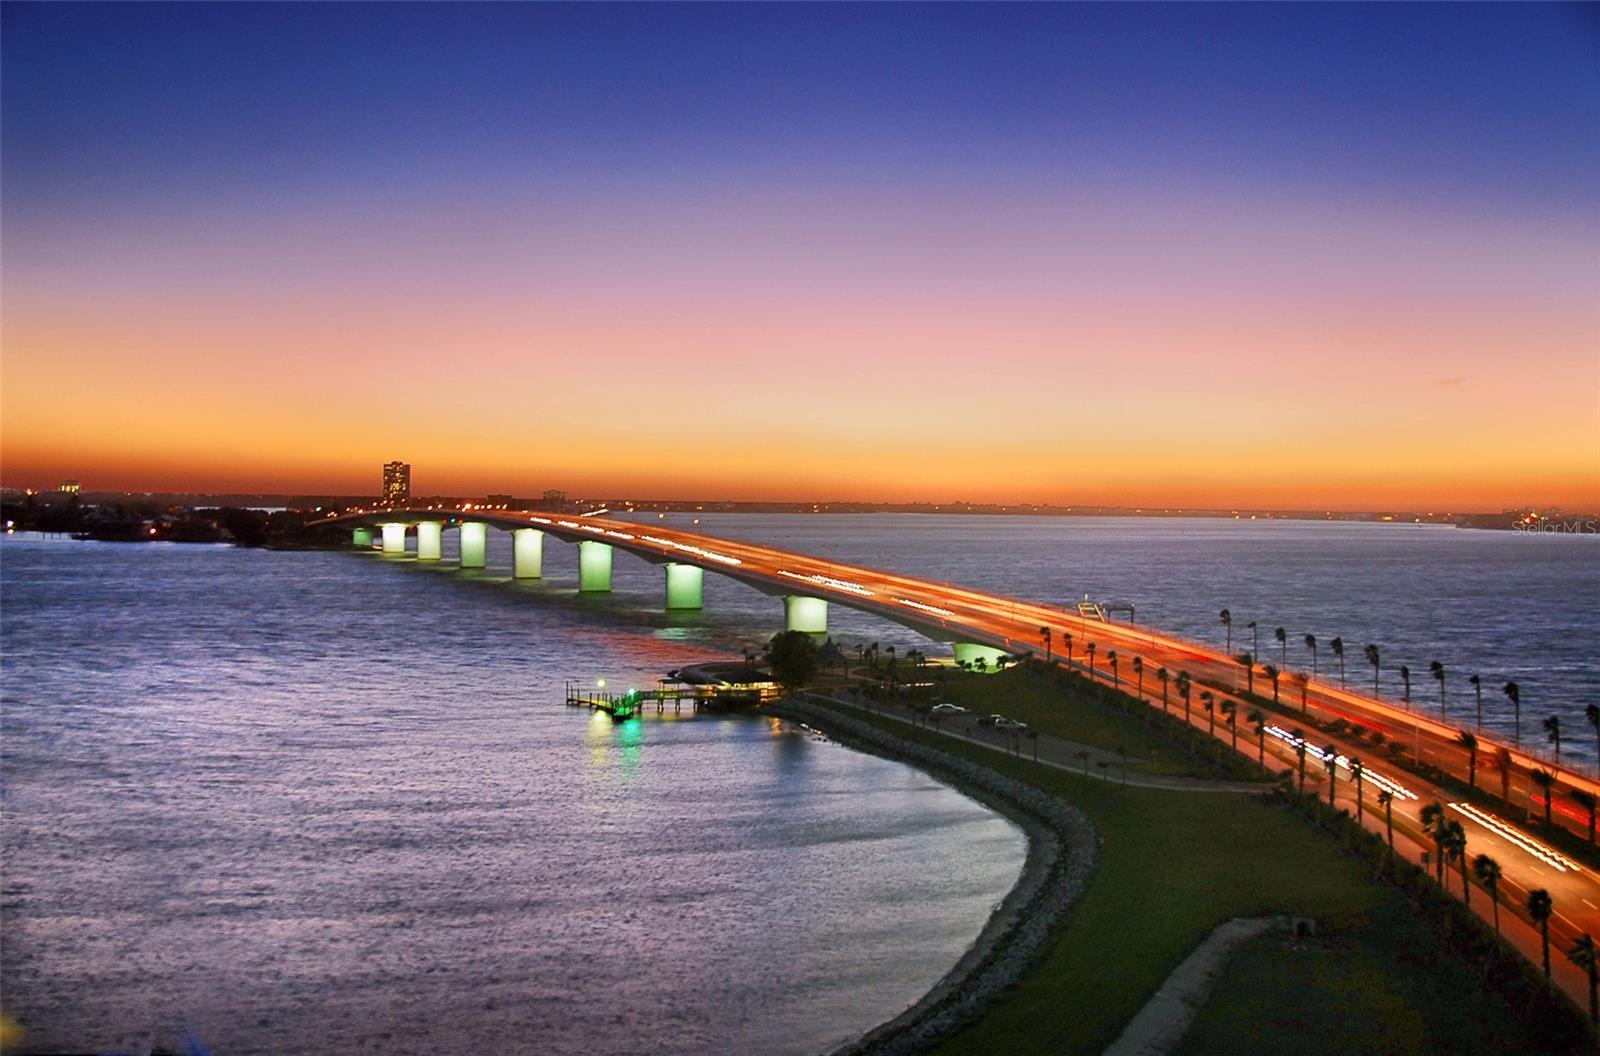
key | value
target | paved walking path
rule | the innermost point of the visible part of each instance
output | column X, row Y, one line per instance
column 1164, row 1019
column 1055, row 752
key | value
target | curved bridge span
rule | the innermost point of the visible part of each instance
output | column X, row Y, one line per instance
column 980, row 626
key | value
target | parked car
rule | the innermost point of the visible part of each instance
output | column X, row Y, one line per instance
column 947, row 709
column 992, row 720
column 1003, row 723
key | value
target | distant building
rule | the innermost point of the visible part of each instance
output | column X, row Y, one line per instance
column 396, row 482
column 71, row 487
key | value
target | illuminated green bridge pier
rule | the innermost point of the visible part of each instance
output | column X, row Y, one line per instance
column 969, row 622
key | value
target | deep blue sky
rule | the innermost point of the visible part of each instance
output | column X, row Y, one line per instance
column 1483, row 102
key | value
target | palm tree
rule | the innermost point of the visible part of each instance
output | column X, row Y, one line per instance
column 1283, row 645
column 1455, row 847
column 1514, row 694
column 1470, row 743
column 1045, row 633
column 1259, row 721
column 1330, row 759
column 1066, row 640
column 1184, row 685
column 1337, row 645
column 1405, row 676
column 1373, row 658
column 1230, row 719
column 1248, row 662
column 1163, row 678
column 1540, row 906
column 1552, row 729
column 1501, row 761
column 1273, row 675
column 1227, row 623
column 1138, row 672
column 1584, row 955
column 1437, row 669
column 1545, row 780
column 1358, row 771
column 1255, row 638
column 1300, row 754
column 1386, row 800
column 1090, row 650
column 1487, row 870
column 1477, row 689
column 1208, row 702
column 1311, row 643
column 1111, row 659
column 1587, row 802
column 1592, row 714
column 1433, row 822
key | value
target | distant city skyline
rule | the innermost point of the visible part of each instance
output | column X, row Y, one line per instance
column 1291, row 257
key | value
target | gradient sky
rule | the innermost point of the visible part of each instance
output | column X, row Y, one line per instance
column 1343, row 257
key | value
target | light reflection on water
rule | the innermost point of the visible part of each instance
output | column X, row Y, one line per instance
column 323, row 803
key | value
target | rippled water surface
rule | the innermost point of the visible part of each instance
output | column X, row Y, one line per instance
column 324, row 802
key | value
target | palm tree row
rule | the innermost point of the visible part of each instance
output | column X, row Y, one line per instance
column 1374, row 657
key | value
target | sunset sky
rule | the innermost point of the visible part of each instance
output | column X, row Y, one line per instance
column 1342, row 257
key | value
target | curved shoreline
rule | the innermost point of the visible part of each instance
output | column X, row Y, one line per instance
column 1061, row 852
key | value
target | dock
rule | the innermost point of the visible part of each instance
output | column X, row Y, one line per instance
column 624, row 706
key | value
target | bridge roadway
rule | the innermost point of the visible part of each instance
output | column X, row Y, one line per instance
column 974, row 619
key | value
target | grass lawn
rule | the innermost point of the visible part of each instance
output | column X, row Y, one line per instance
column 1376, row 987
column 1075, row 714
column 1174, row 866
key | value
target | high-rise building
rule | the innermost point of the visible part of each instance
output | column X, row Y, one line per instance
column 396, row 482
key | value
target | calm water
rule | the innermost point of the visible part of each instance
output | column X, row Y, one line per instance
column 327, row 803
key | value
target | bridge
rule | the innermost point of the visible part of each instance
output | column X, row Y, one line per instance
column 975, row 624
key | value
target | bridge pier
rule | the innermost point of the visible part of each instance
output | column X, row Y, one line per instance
column 474, row 544
column 594, row 567
column 361, row 537
column 428, row 535
column 801, row 613
column 684, row 583
column 394, row 538
column 527, row 553
column 971, row 652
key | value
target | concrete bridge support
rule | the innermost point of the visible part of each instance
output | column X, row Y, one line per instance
column 474, row 544
column 801, row 613
column 361, row 537
column 594, row 567
column 684, row 584
column 527, row 553
column 428, row 536
column 972, row 653
column 394, row 538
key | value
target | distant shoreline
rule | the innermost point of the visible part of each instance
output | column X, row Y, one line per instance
column 1522, row 519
